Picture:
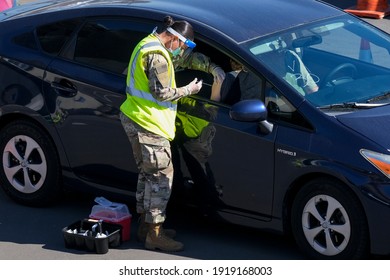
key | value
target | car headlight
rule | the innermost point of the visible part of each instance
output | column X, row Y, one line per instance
column 380, row 161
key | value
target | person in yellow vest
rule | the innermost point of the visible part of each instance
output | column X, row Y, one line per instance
column 148, row 118
column 193, row 144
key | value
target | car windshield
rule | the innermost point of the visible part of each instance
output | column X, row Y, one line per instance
column 337, row 61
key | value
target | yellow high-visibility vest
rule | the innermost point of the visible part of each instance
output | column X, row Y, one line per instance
column 192, row 126
column 140, row 105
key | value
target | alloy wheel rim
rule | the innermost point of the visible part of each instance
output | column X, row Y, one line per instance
column 326, row 225
column 24, row 164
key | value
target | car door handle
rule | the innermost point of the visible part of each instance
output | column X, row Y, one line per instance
column 64, row 88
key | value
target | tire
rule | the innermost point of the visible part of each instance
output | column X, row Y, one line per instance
column 30, row 171
column 328, row 222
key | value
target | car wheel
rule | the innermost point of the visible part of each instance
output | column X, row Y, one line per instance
column 328, row 222
column 30, row 172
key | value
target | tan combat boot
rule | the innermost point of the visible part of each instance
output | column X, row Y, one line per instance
column 156, row 239
column 143, row 229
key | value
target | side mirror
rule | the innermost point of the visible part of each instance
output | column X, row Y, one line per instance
column 250, row 110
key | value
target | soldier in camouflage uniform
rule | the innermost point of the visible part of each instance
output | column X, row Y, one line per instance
column 148, row 118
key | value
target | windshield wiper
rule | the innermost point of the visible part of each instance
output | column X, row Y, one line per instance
column 380, row 97
column 351, row 105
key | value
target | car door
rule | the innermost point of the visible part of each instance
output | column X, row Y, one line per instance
column 224, row 163
column 243, row 165
column 85, row 87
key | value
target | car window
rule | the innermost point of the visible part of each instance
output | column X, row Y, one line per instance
column 325, row 60
column 280, row 109
column 108, row 43
column 52, row 37
column 240, row 83
column 26, row 40
column 375, row 54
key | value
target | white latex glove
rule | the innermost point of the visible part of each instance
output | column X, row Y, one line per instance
column 218, row 73
column 194, row 87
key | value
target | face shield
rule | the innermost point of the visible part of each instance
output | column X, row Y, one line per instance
column 190, row 44
column 185, row 52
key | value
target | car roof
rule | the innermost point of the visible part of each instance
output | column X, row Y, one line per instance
column 251, row 18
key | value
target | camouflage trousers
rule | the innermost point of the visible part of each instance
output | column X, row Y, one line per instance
column 152, row 154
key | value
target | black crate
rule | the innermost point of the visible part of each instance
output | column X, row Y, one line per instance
column 87, row 235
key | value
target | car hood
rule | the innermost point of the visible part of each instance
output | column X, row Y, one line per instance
column 372, row 123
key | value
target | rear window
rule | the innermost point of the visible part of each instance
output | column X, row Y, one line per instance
column 108, row 43
column 26, row 40
column 52, row 37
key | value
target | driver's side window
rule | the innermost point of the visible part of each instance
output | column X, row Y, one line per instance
column 240, row 83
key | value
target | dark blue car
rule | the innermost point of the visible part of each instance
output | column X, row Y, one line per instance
column 296, row 141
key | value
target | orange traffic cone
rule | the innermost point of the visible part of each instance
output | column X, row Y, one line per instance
column 370, row 8
column 5, row 4
column 365, row 51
